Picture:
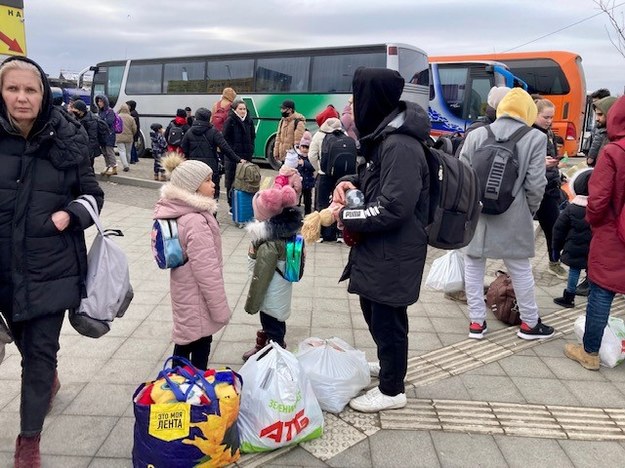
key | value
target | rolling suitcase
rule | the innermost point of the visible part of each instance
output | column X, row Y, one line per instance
column 242, row 211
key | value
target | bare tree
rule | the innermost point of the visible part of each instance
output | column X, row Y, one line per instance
column 617, row 21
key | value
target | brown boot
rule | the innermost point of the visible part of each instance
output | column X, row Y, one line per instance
column 576, row 352
column 27, row 452
column 113, row 170
column 56, row 386
column 261, row 342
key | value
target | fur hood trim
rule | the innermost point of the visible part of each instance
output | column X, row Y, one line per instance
column 202, row 203
column 580, row 200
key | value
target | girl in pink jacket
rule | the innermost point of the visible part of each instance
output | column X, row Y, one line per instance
column 198, row 295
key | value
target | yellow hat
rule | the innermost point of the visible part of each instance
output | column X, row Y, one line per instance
column 519, row 105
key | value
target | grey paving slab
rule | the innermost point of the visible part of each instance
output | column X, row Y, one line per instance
column 522, row 453
column 492, row 388
column 101, row 399
column 448, row 389
column 10, row 391
column 76, row 435
column 120, row 440
column 545, row 391
column 455, row 450
column 110, row 463
column 358, row 456
column 526, row 366
column 565, row 369
column 126, row 371
column 597, row 394
column 591, row 454
column 296, row 457
column 402, row 449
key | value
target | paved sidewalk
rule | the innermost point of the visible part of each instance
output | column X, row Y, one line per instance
column 499, row 402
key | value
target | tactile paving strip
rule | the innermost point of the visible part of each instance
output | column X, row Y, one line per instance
column 469, row 354
column 480, row 417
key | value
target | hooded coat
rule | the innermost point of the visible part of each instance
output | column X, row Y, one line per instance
column 606, row 200
column 201, row 143
column 42, row 270
column 240, row 134
column 290, row 131
column 314, row 151
column 198, row 295
column 386, row 264
column 511, row 234
column 108, row 115
column 130, row 126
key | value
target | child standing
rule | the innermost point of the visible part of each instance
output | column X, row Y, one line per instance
column 277, row 220
column 159, row 145
column 307, row 171
column 571, row 236
column 198, row 295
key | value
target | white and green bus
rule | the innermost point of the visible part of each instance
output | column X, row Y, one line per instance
column 312, row 78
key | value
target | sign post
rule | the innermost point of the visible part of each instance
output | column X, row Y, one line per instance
column 12, row 35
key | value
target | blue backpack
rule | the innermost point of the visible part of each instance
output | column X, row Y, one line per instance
column 295, row 259
column 166, row 246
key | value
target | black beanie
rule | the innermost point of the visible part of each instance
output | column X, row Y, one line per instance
column 181, row 113
column 376, row 94
column 580, row 184
column 80, row 105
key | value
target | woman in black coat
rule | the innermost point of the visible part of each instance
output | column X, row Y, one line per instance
column 202, row 141
column 43, row 257
column 240, row 133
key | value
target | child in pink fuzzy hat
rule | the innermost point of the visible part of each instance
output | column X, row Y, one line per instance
column 277, row 220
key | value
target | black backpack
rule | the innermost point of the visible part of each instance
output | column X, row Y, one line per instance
column 454, row 200
column 338, row 154
column 496, row 163
column 103, row 130
column 175, row 135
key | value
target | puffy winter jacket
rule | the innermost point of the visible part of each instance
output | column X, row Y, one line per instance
column 201, row 143
column 42, row 270
column 240, row 135
column 107, row 114
column 571, row 234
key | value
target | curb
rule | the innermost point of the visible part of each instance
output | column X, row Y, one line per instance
column 133, row 181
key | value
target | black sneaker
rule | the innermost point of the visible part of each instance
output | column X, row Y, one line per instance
column 539, row 332
column 583, row 288
column 476, row 331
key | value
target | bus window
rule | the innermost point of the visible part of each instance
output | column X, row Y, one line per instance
column 480, row 86
column 108, row 80
column 184, row 77
column 334, row 73
column 284, row 74
column 543, row 76
column 144, row 78
column 413, row 67
column 453, row 82
column 237, row 74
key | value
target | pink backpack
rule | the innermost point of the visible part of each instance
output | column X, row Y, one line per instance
column 220, row 115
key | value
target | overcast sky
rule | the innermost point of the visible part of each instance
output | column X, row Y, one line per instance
column 73, row 34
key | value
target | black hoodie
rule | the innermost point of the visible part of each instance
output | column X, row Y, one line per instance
column 386, row 265
column 201, row 143
column 42, row 269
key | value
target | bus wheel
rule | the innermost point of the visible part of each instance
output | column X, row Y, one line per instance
column 269, row 154
column 140, row 146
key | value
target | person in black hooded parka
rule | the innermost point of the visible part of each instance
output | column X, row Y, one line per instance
column 43, row 257
column 201, row 143
column 386, row 264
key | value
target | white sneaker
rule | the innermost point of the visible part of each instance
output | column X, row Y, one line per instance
column 374, row 369
column 374, row 400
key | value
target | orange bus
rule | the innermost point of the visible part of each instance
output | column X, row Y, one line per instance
column 555, row 75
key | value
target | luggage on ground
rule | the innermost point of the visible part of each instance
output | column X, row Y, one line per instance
column 501, row 299
column 242, row 210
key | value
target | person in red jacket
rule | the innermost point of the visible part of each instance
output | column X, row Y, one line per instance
column 606, row 260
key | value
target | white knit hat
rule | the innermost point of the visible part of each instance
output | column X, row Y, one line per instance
column 291, row 159
column 186, row 174
column 495, row 95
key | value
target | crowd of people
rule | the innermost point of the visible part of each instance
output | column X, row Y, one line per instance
column 49, row 155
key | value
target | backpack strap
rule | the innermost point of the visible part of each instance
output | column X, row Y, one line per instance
column 519, row 133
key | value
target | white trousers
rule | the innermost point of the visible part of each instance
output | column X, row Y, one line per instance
column 124, row 152
column 519, row 270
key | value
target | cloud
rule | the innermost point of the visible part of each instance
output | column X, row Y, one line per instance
column 82, row 33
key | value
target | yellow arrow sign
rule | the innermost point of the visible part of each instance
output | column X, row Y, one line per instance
column 12, row 36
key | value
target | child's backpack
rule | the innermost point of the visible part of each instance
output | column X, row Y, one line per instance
column 295, row 259
column 175, row 135
column 103, row 130
column 501, row 300
column 118, row 125
column 338, row 154
column 247, row 177
column 454, row 200
column 496, row 163
column 220, row 114
column 166, row 246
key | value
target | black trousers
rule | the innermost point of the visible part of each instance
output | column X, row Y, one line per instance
column 389, row 328
column 197, row 352
column 38, row 342
column 230, row 169
column 273, row 328
column 547, row 215
column 323, row 195
column 307, row 196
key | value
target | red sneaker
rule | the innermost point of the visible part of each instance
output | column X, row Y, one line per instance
column 477, row 330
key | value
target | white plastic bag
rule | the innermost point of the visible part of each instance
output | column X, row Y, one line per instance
column 447, row 273
column 613, row 342
column 278, row 405
column 336, row 371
